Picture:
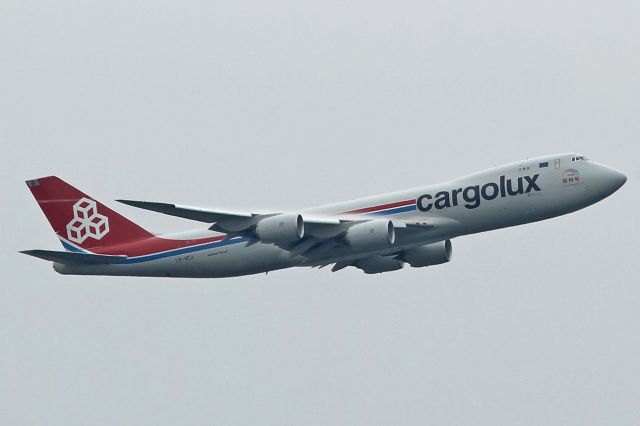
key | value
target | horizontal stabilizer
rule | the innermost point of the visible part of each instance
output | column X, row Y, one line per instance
column 74, row 258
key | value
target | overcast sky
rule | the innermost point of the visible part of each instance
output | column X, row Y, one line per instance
column 282, row 104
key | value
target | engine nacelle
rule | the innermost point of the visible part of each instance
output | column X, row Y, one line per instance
column 427, row 255
column 281, row 228
column 378, row 264
column 371, row 235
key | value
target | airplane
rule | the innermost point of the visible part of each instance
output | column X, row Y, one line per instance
column 376, row 234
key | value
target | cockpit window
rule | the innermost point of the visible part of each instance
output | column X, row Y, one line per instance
column 579, row 158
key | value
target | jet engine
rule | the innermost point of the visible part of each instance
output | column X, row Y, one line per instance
column 281, row 228
column 378, row 264
column 371, row 235
column 430, row 254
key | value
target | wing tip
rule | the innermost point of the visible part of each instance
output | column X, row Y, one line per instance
column 129, row 202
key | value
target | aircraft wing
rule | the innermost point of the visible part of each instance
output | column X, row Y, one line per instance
column 193, row 213
column 226, row 221
column 321, row 234
column 222, row 221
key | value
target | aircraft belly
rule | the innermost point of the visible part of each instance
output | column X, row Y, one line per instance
column 232, row 260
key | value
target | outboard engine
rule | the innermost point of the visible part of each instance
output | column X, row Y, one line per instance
column 427, row 255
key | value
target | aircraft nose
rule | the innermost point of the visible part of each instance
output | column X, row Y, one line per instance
column 614, row 178
column 617, row 179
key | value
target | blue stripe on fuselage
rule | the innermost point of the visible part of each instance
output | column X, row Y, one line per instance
column 394, row 211
column 178, row 252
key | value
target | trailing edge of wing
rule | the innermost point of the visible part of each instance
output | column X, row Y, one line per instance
column 74, row 258
column 193, row 213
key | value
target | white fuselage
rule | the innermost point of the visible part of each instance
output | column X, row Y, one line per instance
column 499, row 197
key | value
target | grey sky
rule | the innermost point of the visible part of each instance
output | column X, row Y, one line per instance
column 286, row 104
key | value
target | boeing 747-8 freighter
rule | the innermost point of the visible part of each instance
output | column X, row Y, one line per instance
column 374, row 234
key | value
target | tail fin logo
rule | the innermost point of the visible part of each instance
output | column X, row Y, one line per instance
column 86, row 222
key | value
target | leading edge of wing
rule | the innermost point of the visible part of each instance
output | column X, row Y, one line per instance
column 187, row 212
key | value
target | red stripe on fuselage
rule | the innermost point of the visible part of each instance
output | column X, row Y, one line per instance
column 382, row 207
column 153, row 245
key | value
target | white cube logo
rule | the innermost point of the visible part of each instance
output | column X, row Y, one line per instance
column 84, row 209
column 77, row 231
column 86, row 222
